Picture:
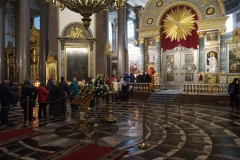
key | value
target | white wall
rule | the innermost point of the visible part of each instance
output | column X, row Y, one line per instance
column 67, row 16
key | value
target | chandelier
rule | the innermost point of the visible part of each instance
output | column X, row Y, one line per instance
column 88, row 7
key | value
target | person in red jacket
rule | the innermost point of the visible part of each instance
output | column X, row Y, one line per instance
column 42, row 99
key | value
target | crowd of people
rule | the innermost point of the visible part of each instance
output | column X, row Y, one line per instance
column 54, row 94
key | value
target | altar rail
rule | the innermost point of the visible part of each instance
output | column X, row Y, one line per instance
column 206, row 88
column 140, row 86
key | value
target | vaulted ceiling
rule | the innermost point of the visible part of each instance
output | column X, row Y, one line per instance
column 230, row 6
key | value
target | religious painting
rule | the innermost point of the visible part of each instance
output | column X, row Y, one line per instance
column 169, row 63
column 188, row 58
column 170, row 77
column 212, row 36
column 188, row 76
column 114, row 69
column 234, row 61
column 134, row 62
column 212, row 61
column 77, row 63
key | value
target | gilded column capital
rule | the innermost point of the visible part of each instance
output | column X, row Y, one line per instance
column 201, row 34
column 114, row 26
column 222, row 32
column 141, row 40
column 137, row 10
column 158, row 38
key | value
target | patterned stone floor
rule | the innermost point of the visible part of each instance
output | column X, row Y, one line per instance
column 204, row 132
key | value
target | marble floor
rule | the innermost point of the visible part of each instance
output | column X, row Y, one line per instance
column 204, row 132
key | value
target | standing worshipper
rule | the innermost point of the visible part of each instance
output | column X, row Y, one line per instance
column 49, row 83
column 233, row 90
column 42, row 99
column 54, row 96
column 28, row 90
column 63, row 88
column 73, row 91
column 6, row 98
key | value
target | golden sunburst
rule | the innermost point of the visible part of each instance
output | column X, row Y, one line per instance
column 178, row 24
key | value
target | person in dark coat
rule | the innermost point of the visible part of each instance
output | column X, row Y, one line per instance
column 63, row 88
column 234, row 96
column 6, row 98
column 132, row 78
column 49, row 84
column 42, row 99
column 146, row 78
column 14, row 91
column 54, row 96
column 28, row 91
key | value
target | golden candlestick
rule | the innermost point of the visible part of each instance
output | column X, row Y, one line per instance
column 110, row 118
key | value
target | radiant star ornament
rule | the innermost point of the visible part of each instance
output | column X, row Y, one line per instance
column 179, row 24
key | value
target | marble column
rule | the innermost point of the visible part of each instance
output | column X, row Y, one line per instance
column 121, row 41
column 2, row 40
column 158, row 59
column 201, row 62
column 142, row 55
column 137, row 11
column 24, row 40
column 223, row 52
column 44, row 10
column 114, row 35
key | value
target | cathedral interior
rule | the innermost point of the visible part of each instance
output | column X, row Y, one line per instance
column 190, row 48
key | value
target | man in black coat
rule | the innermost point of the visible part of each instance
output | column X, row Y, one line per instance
column 63, row 88
column 6, row 97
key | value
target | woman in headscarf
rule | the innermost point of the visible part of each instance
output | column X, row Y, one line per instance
column 28, row 91
column 54, row 97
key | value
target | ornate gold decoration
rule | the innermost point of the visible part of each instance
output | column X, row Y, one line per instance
column 158, row 38
column 141, row 40
column 210, row 10
column 135, row 42
column 149, row 20
column 88, row 7
column 34, row 35
column 236, row 36
column 179, row 24
column 76, row 33
column 149, row 32
column 51, row 68
column 201, row 34
column 222, row 32
column 215, row 23
column 159, row 3
column 204, row 2
column 222, row 7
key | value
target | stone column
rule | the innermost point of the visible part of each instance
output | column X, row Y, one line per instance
column 137, row 11
column 223, row 52
column 2, row 40
column 114, row 35
column 101, row 43
column 106, row 35
column 158, row 59
column 121, row 41
column 24, row 40
column 44, row 10
column 201, row 53
column 142, row 55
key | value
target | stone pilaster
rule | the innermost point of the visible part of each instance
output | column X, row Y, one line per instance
column 24, row 40
column 114, row 35
column 44, row 10
column 121, row 41
column 201, row 52
column 223, row 52
column 137, row 11
column 142, row 55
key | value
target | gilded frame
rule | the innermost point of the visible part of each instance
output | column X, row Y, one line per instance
column 77, row 62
